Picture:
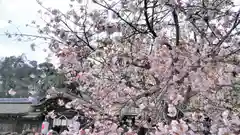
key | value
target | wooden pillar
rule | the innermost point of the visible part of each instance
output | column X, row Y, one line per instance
column 19, row 126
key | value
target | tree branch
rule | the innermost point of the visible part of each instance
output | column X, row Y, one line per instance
column 78, row 36
column 150, row 27
column 235, row 24
column 118, row 15
column 175, row 18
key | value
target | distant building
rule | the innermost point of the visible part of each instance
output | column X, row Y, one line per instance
column 17, row 114
column 63, row 117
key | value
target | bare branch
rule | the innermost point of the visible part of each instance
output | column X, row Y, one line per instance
column 175, row 18
column 235, row 24
column 79, row 37
column 120, row 17
column 147, row 20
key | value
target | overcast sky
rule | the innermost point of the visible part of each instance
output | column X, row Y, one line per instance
column 22, row 12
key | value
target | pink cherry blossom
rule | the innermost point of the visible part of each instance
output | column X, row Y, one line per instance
column 172, row 63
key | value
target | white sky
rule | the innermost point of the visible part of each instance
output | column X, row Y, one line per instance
column 22, row 12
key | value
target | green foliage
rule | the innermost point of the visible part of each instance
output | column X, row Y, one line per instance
column 26, row 76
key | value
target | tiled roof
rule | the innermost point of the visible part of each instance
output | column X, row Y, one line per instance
column 14, row 108
column 14, row 100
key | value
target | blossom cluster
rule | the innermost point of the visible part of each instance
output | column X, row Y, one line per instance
column 174, row 62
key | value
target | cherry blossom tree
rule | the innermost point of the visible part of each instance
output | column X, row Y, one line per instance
column 174, row 62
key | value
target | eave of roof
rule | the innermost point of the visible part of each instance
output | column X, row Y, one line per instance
column 14, row 100
column 14, row 108
column 32, row 115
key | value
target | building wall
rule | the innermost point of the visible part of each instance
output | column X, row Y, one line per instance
column 19, row 125
column 6, row 126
